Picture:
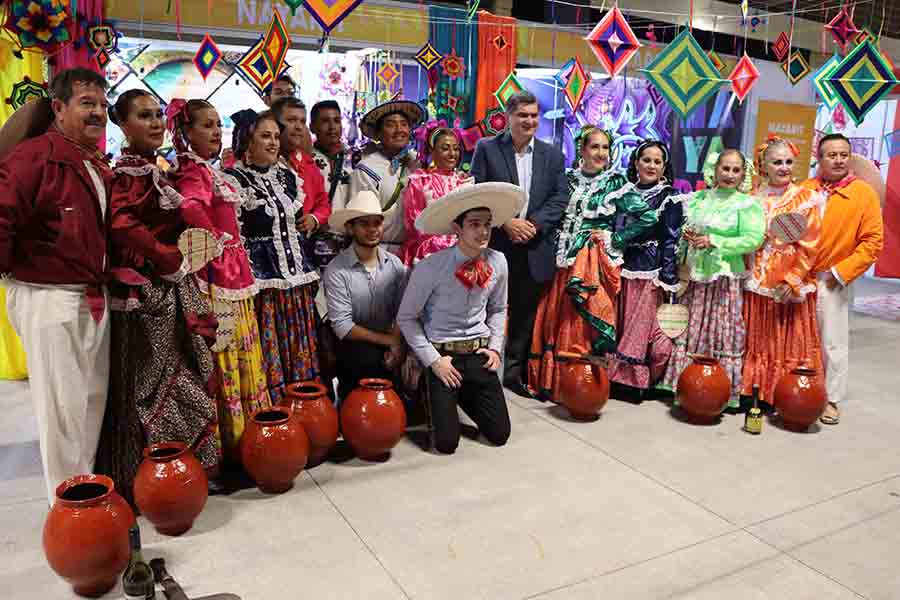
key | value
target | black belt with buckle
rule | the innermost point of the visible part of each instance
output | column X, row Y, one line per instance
column 462, row 346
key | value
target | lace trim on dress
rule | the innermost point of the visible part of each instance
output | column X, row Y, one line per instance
column 752, row 285
column 169, row 198
column 221, row 188
column 583, row 189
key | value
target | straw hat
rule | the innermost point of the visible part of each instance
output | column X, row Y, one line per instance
column 414, row 113
column 364, row 204
column 504, row 200
column 866, row 170
column 30, row 120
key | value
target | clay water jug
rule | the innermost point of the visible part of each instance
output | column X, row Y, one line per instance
column 318, row 416
column 86, row 534
column 373, row 419
column 703, row 390
column 274, row 449
column 800, row 398
column 170, row 487
column 583, row 386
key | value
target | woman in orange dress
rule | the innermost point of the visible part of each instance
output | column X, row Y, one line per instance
column 779, row 297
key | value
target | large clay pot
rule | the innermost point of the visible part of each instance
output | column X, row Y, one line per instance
column 703, row 390
column 170, row 487
column 800, row 398
column 373, row 419
column 583, row 386
column 318, row 416
column 274, row 449
column 86, row 534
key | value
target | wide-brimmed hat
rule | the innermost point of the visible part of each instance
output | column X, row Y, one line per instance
column 414, row 113
column 504, row 200
column 364, row 204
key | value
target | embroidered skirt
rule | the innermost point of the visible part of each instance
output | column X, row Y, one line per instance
column 643, row 350
column 716, row 328
column 780, row 337
column 159, row 383
column 576, row 314
column 287, row 325
column 242, row 378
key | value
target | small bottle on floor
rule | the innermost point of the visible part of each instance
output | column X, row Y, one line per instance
column 753, row 419
column 137, row 581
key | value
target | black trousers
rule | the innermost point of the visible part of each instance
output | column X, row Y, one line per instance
column 524, row 297
column 481, row 397
column 359, row 360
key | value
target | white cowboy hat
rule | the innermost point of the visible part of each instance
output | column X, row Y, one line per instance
column 504, row 200
column 364, row 204
column 414, row 113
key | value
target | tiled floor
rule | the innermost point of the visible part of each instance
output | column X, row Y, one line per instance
column 636, row 505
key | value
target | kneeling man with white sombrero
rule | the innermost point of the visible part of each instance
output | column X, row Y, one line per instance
column 453, row 313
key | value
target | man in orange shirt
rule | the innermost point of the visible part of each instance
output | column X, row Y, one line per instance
column 851, row 238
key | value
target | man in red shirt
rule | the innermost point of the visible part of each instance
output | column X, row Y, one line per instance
column 53, row 245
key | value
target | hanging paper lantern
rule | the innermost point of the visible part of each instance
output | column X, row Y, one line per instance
column 207, row 57
column 716, row 60
column 453, row 65
column 613, row 41
column 862, row 79
column 254, row 69
column 428, row 57
column 103, row 36
column 276, row 43
column 25, row 91
column 795, row 67
column 510, row 86
column 821, row 84
column 494, row 122
column 743, row 77
column 683, row 74
column 329, row 13
column 577, row 85
column 388, row 74
column 562, row 76
column 842, row 28
column 40, row 25
column 781, row 47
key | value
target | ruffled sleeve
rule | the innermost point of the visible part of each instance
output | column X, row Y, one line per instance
column 671, row 217
column 750, row 232
column 128, row 232
column 195, row 183
column 798, row 276
column 639, row 217
column 414, row 202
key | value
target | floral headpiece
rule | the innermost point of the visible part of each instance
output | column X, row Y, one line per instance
column 427, row 134
column 709, row 171
column 759, row 155
column 176, row 117
column 580, row 136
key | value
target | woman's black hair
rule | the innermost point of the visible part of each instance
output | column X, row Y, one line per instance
column 668, row 171
column 119, row 111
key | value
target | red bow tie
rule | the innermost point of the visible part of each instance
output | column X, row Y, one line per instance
column 474, row 272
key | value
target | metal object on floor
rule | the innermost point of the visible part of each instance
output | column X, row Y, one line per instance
column 171, row 588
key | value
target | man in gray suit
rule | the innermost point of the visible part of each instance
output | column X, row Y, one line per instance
column 528, row 240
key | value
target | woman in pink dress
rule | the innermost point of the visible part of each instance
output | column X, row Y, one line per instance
column 427, row 185
column 211, row 203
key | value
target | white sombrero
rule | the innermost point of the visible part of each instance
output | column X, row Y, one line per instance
column 414, row 113
column 364, row 204
column 504, row 200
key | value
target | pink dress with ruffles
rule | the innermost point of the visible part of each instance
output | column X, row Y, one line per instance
column 425, row 186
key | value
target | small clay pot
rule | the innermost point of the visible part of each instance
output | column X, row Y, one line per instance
column 274, row 449
column 800, row 398
column 170, row 487
column 703, row 390
column 86, row 534
column 373, row 419
column 583, row 386
column 317, row 414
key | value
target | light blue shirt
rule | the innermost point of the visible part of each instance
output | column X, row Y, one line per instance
column 438, row 308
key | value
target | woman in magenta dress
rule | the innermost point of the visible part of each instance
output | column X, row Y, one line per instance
column 211, row 203
column 427, row 185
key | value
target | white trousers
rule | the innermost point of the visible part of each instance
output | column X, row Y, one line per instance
column 68, row 368
column 833, row 314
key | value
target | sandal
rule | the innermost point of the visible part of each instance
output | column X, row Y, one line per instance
column 832, row 418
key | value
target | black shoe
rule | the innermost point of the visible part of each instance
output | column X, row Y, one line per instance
column 517, row 387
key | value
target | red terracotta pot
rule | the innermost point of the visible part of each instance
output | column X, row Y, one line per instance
column 318, row 416
column 703, row 390
column 583, row 386
column 274, row 449
column 800, row 398
column 170, row 487
column 86, row 534
column 373, row 419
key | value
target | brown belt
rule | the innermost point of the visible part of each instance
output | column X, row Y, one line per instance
column 463, row 346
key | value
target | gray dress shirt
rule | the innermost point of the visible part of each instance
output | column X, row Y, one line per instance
column 437, row 307
column 357, row 297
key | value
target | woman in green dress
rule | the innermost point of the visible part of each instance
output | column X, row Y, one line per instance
column 578, row 312
column 722, row 225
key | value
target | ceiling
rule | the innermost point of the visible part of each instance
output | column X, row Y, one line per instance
column 866, row 14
